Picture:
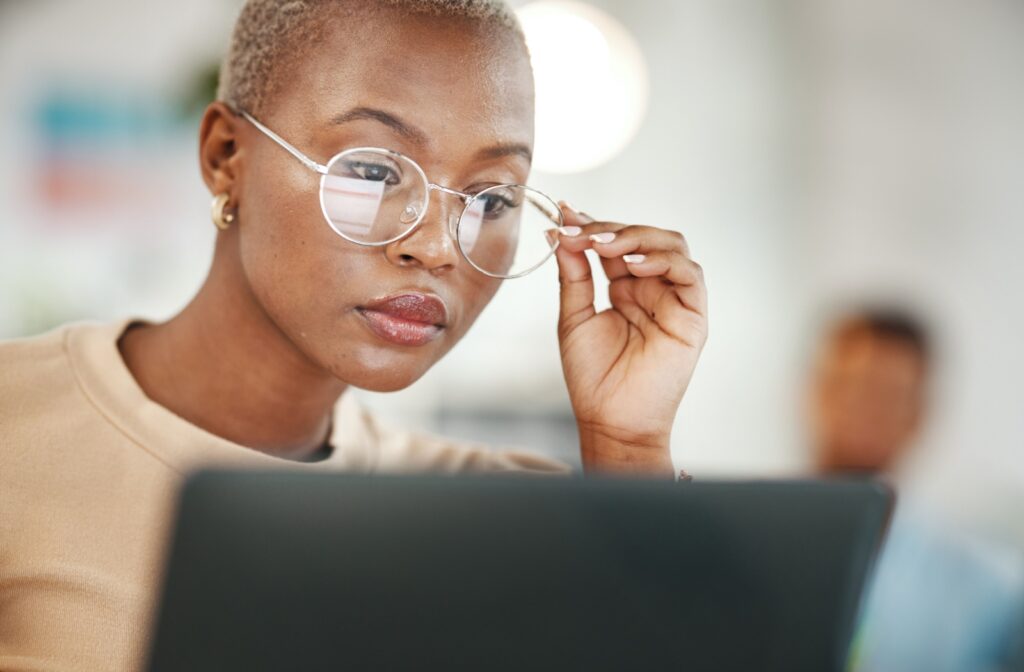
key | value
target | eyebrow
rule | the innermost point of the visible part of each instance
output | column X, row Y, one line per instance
column 507, row 149
column 389, row 120
column 420, row 138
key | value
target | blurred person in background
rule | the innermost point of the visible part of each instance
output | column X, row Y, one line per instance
column 940, row 599
column 100, row 422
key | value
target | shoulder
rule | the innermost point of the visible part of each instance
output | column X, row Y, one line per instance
column 34, row 353
column 34, row 363
column 39, row 405
column 33, row 367
column 962, row 567
column 398, row 450
column 40, row 389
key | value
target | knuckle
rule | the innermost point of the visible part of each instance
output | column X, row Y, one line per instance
column 566, row 281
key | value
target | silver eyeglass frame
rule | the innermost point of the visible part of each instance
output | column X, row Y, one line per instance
column 324, row 169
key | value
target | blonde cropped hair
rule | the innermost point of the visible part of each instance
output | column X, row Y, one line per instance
column 269, row 36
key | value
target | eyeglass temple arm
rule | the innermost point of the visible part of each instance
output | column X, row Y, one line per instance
column 306, row 161
column 313, row 165
column 547, row 213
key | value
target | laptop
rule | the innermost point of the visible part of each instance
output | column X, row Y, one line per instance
column 300, row 571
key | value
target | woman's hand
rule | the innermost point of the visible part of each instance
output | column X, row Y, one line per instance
column 627, row 367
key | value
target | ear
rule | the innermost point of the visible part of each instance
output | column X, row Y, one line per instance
column 219, row 159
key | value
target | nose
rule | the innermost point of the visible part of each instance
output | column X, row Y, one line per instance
column 432, row 245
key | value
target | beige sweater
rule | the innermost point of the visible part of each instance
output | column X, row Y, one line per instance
column 89, row 468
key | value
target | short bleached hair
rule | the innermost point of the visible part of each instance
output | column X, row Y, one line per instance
column 269, row 35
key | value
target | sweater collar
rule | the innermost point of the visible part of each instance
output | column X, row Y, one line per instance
column 107, row 382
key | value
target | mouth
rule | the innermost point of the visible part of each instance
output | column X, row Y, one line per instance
column 408, row 318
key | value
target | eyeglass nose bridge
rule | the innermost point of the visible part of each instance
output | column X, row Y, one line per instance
column 454, row 192
column 453, row 219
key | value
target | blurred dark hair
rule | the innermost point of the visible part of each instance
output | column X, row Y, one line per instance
column 892, row 323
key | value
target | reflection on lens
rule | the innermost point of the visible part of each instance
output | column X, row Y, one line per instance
column 372, row 196
column 506, row 230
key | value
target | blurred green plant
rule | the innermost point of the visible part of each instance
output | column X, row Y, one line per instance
column 200, row 92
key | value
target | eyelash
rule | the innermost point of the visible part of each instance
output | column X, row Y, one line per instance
column 354, row 166
column 505, row 201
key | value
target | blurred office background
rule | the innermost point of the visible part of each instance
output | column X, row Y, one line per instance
column 816, row 153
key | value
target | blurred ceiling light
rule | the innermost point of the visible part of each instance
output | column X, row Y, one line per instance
column 591, row 82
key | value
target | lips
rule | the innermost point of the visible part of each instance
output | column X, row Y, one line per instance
column 409, row 318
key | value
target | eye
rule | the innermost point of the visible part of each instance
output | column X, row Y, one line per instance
column 498, row 202
column 373, row 170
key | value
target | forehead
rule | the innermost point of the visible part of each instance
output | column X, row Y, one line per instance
column 457, row 80
column 861, row 349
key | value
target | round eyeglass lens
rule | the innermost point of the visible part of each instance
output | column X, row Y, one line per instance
column 508, row 230
column 372, row 196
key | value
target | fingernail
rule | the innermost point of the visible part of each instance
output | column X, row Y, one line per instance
column 587, row 219
column 633, row 258
column 570, row 230
column 605, row 237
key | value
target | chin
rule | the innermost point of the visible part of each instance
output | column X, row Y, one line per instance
column 385, row 383
column 382, row 370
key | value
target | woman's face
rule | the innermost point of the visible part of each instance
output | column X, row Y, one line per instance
column 444, row 92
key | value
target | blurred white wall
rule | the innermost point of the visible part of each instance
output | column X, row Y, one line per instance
column 810, row 151
column 915, row 188
column 143, row 251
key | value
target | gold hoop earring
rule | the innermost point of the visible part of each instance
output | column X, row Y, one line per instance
column 222, row 220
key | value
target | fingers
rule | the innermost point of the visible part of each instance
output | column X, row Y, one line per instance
column 686, row 275
column 618, row 245
column 627, row 251
column 610, row 239
column 574, row 278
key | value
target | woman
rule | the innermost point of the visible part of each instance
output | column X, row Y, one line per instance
column 100, row 422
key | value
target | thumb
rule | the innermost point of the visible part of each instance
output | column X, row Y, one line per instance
column 575, row 279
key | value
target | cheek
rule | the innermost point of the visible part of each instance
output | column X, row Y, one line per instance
column 474, row 290
column 308, row 280
column 298, row 268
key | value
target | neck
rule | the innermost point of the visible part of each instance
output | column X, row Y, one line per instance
column 224, row 366
column 830, row 461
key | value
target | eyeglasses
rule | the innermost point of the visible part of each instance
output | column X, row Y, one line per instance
column 373, row 197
